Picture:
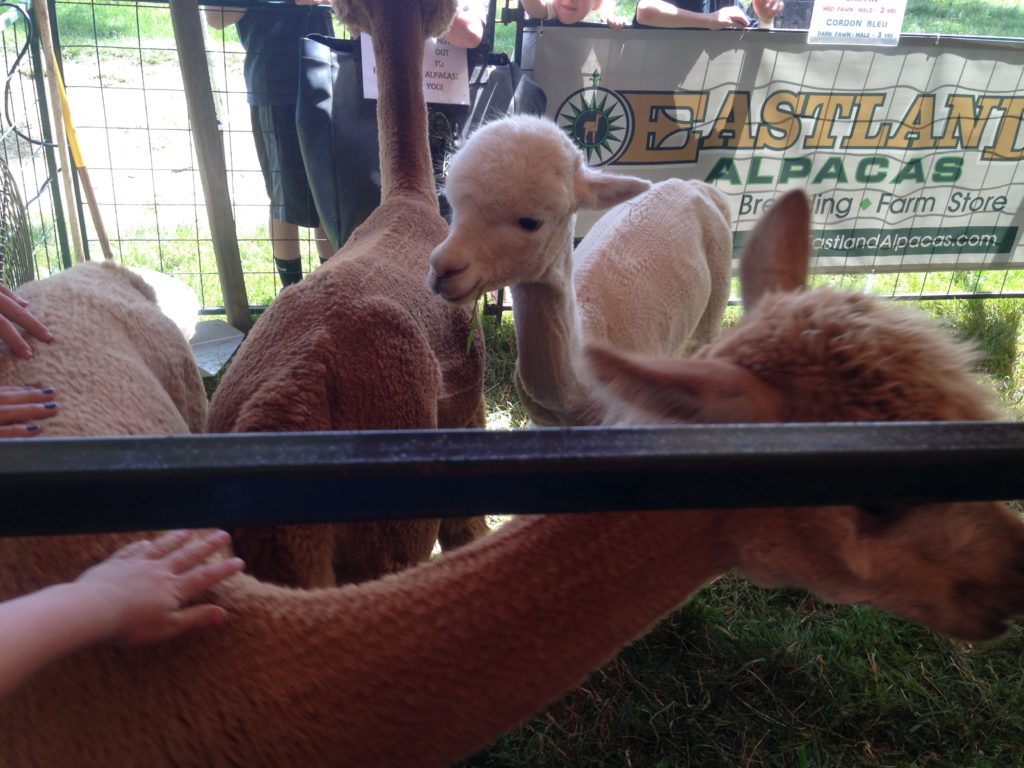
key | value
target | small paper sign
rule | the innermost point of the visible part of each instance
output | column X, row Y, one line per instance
column 857, row 22
column 445, row 71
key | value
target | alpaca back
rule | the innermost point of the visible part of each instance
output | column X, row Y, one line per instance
column 655, row 270
column 149, row 378
column 358, row 344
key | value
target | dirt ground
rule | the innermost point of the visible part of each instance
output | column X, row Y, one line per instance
column 132, row 122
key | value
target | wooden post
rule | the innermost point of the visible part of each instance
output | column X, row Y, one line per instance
column 188, row 35
column 83, row 172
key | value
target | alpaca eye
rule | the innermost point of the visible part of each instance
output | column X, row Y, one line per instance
column 530, row 225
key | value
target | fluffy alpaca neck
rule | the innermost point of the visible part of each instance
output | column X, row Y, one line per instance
column 549, row 338
column 401, row 109
column 421, row 668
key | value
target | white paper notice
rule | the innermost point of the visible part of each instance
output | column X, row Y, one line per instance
column 857, row 22
column 445, row 71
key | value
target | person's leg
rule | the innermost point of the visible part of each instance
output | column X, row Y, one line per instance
column 284, row 237
column 323, row 245
column 284, row 241
column 292, row 196
column 291, row 201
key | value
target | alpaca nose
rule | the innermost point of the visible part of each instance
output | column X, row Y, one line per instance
column 436, row 280
column 442, row 268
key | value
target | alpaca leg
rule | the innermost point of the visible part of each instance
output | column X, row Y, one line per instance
column 366, row 551
column 455, row 532
column 289, row 555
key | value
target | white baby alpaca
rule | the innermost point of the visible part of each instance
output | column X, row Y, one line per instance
column 651, row 276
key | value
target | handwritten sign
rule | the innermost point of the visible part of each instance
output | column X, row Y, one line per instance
column 857, row 22
column 445, row 71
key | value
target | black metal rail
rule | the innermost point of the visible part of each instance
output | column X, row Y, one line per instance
column 63, row 485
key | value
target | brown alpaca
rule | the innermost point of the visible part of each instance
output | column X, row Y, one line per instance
column 361, row 343
column 425, row 666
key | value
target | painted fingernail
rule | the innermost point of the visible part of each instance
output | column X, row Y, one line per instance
column 48, row 390
column 31, row 427
column 49, row 406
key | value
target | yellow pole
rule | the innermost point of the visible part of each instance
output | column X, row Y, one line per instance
column 43, row 25
column 83, row 172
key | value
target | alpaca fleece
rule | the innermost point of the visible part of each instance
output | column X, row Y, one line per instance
column 361, row 343
column 652, row 275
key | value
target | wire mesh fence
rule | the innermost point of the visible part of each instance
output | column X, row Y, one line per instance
column 32, row 237
column 128, row 102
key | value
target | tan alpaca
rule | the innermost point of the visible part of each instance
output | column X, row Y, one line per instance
column 361, row 343
column 425, row 666
column 652, row 275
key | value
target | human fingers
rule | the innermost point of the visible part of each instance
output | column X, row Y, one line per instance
column 732, row 17
column 172, row 624
column 197, row 580
column 191, row 553
column 19, row 430
column 21, row 395
column 10, row 336
column 23, row 413
column 5, row 291
column 768, row 9
column 739, row 18
column 167, row 543
column 16, row 311
column 194, row 617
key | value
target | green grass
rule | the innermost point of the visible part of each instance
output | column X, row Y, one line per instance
column 85, row 23
column 504, row 410
column 748, row 677
column 993, row 18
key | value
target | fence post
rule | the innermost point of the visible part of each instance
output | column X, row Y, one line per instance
column 188, row 35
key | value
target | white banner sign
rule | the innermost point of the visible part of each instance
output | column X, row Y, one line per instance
column 857, row 22
column 913, row 155
column 445, row 71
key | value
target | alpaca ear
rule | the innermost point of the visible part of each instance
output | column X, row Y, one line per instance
column 776, row 254
column 597, row 190
column 667, row 390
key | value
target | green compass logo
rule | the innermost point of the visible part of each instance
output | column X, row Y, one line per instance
column 598, row 121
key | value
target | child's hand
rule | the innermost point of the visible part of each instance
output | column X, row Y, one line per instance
column 14, row 312
column 767, row 10
column 732, row 17
column 617, row 22
column 21, row 407
column 146, row 584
